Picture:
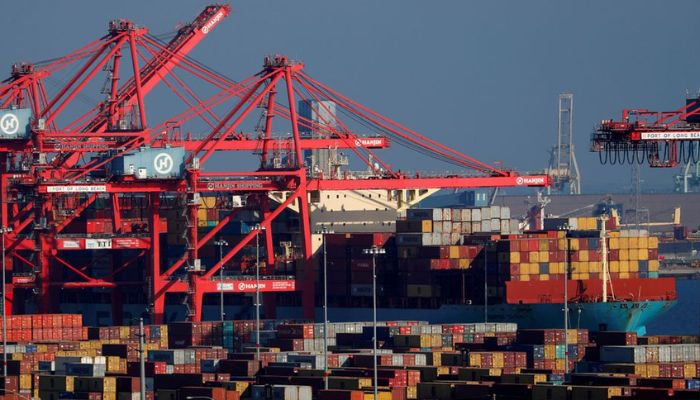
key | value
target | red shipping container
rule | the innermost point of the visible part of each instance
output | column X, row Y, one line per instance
column 524, row 257
column 514, row 245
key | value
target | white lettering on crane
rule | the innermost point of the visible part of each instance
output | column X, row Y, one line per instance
column 529, row 180
column 215, row 20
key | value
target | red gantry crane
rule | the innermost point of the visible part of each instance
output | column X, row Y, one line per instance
column 663, row 139
column 96, row 196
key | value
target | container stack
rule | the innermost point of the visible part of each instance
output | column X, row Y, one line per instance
column 45, row 327
column 547, row 348
column 350, row 269
column 416, row 360
column 446, row 226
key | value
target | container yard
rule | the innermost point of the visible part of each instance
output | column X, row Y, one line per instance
column 141, row 260
column 415, row 360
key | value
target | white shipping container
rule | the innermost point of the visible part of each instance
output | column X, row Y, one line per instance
column 514, row 226
column 466, row 227
column 485, row 213
column 466, row 215
column 476, row 215
column 447, row 214
column 486, row 226
column 505, row 226
column 505, row 212
column 445, row 239
column 446, row 226
column 456, row 215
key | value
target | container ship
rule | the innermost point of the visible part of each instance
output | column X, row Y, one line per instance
column 425, row 275
column 445, row 265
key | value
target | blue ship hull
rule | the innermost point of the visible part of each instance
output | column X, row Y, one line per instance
column 611, row 316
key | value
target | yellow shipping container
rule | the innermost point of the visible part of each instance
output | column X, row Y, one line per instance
column 653, row 242
column 426, row 226
column 534, row 257
column 634, row 254
column 643, row 242
column 463, row 263
column 574, row 244
column 624, row 254
column 643, row 254
column 561, row 267
column 544, row 277
column 583, row 255
column 381, row 395
column 474, row 360
column 17, row 356
column 550, row 352
column 543, row 256
column 614, row 391
column 109, row 384
column 571, row 337
column 443, row 370
column 689, row 370
column 624, row 266
column 544, row 245
column 514, row 256
column 362, row 383
column 614, row 266
column 25, row 382
column 595, row 267
column 112, row 364
column 653, row 265
column 585, row 276
column 525, row 278
column 624, row 275
column 614, row 243
column 634, row 266
column 653, row 370
column 574, row 276
column 634, row 242
column 454, row 251
column 124, row 332
column 562, row 244
column 582, row 267
column 436, row 340
column 498, row 360
column 624, row 243
column 560, row 365
column 641, row 370
column 411, row 392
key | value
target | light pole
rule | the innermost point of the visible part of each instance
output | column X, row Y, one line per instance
column 142, row 361
column 566, row 304
column 374, row 251
column 3, row 231
column 486, row 284
column 221, row 243
column 258, row 228
column 323, row 232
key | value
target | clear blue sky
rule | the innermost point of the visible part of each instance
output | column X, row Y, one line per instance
column 481, row 76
